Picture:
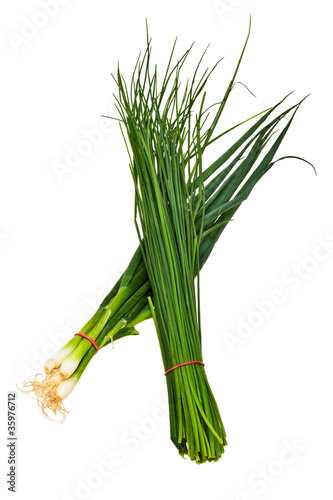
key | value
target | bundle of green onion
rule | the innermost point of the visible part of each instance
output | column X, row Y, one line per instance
column 181, row 211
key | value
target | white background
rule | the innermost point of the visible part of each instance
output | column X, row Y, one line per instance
column 64, row 241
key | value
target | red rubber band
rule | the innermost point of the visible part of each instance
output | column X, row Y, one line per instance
column 183, row 364
column 90, row 339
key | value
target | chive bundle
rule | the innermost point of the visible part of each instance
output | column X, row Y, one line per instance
column 169, row 194
column 181, row 211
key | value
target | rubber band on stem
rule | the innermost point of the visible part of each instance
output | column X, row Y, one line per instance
column 90, row 340
column 183, row 364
